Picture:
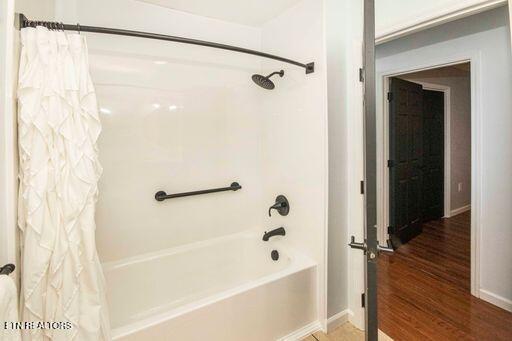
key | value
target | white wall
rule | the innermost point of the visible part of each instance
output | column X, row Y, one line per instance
column 36, row 9
column 7, row 136
column 355, row 165
column 337, row 68
column 460, row 128
column 485, row 37
column 510, row 16
column 344, row 32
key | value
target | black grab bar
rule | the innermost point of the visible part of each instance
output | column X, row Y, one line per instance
column 7, row 269
column 161, row 195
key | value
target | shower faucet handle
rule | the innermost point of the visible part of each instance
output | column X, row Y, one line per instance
column 281, row 205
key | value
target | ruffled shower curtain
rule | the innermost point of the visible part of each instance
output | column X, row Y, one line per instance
column 58, row 125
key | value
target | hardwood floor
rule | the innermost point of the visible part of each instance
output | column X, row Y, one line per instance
column 424, row 289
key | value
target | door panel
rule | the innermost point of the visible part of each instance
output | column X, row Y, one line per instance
column 406, row 156
column 433, row 122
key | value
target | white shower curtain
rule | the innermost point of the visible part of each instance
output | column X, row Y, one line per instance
column 58, row 125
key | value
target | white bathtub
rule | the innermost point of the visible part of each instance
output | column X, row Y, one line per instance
column 223, row 289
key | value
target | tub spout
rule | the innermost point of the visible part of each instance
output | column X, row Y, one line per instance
column 277, row 232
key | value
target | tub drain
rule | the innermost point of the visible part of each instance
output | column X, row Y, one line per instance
column 275, row 255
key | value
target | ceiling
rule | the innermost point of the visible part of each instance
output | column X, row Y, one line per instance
column 246, row 12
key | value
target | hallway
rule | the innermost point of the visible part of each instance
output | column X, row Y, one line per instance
column 424, row 289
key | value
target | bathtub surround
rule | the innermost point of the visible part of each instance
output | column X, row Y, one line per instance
column 180, row 117
column 58, row 127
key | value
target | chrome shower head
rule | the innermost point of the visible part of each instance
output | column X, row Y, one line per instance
column 265, row 82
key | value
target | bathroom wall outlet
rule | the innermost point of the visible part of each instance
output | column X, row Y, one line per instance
column 460, row 186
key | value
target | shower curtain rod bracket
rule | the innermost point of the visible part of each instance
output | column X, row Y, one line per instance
column 19, row 21
column 22, row 22
column 310, row 68
column 7, row 269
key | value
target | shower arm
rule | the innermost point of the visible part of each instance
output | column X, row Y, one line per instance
column 280, row 73
column 21, row 21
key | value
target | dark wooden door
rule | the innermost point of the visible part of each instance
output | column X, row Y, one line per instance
column 406, row 160
column 433, row 156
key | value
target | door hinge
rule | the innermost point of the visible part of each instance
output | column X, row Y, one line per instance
column 390, row 96
column 363, row 300
column 391, row 163
column 390, row 229
column 362, row 187
column 361, row 74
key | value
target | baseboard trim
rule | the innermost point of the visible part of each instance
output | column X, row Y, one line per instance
column 460, row 210
column 301, row 333
column 497, row 300
column 338, row 319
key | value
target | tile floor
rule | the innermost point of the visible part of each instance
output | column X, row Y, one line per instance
column 345, row 332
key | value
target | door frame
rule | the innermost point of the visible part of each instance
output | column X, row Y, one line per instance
column 370, row 243
column 447, row 142
column 476, row 172
column 384, row 188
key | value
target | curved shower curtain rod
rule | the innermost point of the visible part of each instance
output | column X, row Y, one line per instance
column 22, row 22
